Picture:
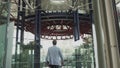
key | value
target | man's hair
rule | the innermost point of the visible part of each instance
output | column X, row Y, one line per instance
column 54, row 42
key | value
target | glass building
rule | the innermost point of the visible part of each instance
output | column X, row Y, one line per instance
column 88, row 32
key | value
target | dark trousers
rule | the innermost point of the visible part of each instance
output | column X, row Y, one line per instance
column 54, row 66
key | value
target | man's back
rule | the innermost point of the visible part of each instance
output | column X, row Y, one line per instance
column 54, row 56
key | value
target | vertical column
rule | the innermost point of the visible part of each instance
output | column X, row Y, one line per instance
column 90, row 2
column 111, row 21
column 106, row 38
column 76, row 25
column 76, row 30
column 22, row 22
column 22, row 32
column 98, row 34
column 17, row 34
column 106, row 21
column 117, row 26
column 37, row 34
column 90, row 11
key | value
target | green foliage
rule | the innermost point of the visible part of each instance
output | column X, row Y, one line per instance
column 29, row 46
column 3, row 12
column 83, row 55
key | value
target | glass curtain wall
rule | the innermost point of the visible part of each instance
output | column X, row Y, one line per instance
column 3, row 30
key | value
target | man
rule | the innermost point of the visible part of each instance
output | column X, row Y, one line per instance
column 54, row 56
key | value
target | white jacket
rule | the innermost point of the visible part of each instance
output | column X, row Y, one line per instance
column 54, row 55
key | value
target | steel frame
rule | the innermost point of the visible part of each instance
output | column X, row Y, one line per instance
column 37, row 20
column 37, row 35
column 59, row 18
column 19, row 32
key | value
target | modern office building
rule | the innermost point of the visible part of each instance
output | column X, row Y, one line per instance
column 87, row 31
